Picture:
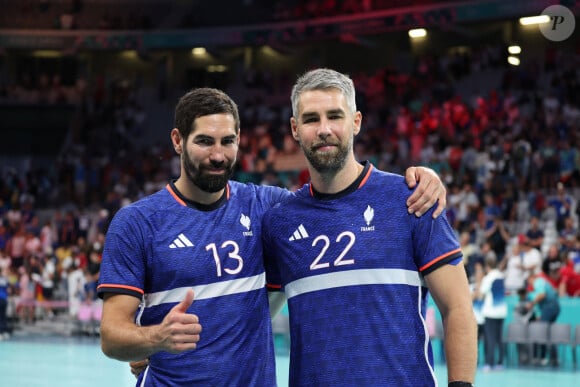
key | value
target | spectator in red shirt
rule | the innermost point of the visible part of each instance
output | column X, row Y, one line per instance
column 570, row 273
column 570, row 282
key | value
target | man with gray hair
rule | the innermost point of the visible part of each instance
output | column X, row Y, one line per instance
column 356, row 267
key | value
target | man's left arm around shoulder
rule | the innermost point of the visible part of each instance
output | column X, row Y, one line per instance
column 430, row 190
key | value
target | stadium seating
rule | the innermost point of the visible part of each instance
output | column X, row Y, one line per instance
column 561, row 334
column 516, row 337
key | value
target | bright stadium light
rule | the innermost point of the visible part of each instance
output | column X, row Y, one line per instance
column 417, row 33
column 514, row 50
column 198, row 51
column 129, row 54
column 513, row 60
column 526, row 21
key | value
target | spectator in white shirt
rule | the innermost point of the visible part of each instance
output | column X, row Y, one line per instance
column 520, row 264
column 494, row 311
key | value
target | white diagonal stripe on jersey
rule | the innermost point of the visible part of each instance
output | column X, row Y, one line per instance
column 353, row 278
column 201, row 292
column 299, row 233
column 178, row 243
column 303, row 231
column 184, row 239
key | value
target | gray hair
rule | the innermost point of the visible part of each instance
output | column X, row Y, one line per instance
column 491, row 260
column 323, row 79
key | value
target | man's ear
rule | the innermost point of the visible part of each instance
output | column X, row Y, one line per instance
column 177, row 141
column 294, row 128
column 357, row 122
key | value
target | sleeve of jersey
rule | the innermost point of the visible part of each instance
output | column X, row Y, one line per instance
column 435, row 243
column 271, row 195
column 273, row 278
column 123, row 263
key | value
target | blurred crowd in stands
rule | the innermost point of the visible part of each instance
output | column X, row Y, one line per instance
column 163, row 14
column 510, row 157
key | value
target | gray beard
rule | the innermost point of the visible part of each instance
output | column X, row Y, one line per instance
column 325, row 163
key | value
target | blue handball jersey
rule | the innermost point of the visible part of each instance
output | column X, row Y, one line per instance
column 160, row 246
column 352, row 267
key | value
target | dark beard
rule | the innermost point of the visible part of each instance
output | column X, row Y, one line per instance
column 324, row 163
column 205, row 182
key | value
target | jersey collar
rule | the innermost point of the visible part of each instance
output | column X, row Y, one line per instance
column 199, row 206
column 358, row 183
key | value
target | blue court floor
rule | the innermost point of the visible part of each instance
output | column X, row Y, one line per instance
column 78, row 361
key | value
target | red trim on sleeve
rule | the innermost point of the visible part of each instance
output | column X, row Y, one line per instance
column 439, row 259
column 115, row 286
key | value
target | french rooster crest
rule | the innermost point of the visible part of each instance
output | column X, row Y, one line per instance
column 369, row 214
column 245, row 221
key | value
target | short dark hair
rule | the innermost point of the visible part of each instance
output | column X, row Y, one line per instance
column 201, row 102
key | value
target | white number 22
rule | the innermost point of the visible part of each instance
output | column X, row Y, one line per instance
column 339, row 261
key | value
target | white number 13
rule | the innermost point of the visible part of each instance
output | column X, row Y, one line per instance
column 233, row 254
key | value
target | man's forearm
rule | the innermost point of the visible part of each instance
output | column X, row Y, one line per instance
column 128, row 343
column 461, row 345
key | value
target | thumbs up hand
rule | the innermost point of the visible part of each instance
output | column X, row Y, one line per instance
column 179, row 331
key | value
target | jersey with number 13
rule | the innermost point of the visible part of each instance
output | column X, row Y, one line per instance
column 160, row 246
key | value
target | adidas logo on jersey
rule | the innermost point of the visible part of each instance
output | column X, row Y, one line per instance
column 180, row 241
column 299, row 233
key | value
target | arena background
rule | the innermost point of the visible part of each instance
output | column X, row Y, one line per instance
column 88, row 87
